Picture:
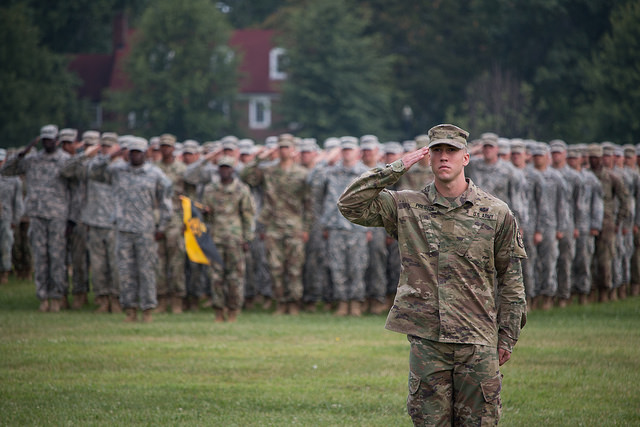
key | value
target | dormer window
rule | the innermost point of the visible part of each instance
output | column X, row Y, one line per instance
column 277, row 64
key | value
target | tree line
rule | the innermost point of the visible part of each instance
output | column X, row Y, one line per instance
column 541, row 69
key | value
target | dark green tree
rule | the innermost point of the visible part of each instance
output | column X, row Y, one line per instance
column 35, row 86
column 614, row 79
column 338, row 81
column 183, row 73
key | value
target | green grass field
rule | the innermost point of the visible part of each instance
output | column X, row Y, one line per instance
column 575, row 366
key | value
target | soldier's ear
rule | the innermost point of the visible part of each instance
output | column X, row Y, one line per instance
column 465, row 159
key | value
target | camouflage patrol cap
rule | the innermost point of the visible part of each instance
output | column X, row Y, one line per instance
column 504, row 146
column 168, row 139
column 286, row 140
column 154, row 142
column 308, row 145
column 190, row 146
column 271, row 142
column 68, row 135
column 392, row 147
column 629, row 150
column 91, row 137
column 49, row 132
column 409, row 145
column 489, row 138
column 227, row 161
column 331, row 142
column 595, row 150
column 540, row 149
column 348, row 142
column 108, row 138
column 246, row 146
column 574, row 152
column 448, row 134
column 517, row 146
column 608, row 149
column 368, row 138
column 557, row 146
column 422, row 140
column 136, row 143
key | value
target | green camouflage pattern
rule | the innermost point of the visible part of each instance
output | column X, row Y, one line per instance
column 451, row 252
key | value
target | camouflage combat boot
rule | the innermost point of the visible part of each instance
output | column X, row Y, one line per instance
column 131, row 315
column 176, row 305
column 343, row 309
column 355, row 308
column 103, row 304
column 146, row 315
column 114, row 302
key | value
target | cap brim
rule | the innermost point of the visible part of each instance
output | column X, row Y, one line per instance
column 450, row 142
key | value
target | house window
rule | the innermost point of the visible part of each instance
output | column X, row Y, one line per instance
column 277, row 64
column 259, row 113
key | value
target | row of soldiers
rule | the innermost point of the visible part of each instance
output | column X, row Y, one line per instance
column 271, row 211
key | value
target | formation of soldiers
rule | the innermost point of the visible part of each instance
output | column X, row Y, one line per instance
column 112, row 205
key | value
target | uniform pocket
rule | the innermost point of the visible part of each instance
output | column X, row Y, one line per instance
column 491, row 388
column 414, row 383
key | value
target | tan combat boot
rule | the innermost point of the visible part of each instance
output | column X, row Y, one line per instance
column 343, row 309
column 132, row 315
column 219, row 315
column 310, row 307
column 603, row 295
column 54, row 305
column 583, row 299
column 293, row 308
column 233, row 315
column 79, row 300
column 613, row 295
column 44, row 306
column 162, row 304
column 547, row 303
column 622, row 291
column 64, row 303
column 376, row 307
column 281, row 308
column 355, row 308
column 114, row 302
column 146, row 315
column 176, row 305
column 4, row 277
column 562, row 302
column 635, row 290
column 103, row 304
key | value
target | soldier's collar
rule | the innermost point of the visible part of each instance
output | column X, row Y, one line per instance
column 468, row 196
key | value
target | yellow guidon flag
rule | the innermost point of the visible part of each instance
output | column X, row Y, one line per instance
column 198, row 243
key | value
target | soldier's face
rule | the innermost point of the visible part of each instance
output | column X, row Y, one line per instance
column 225, row 172
column 490, row 152
column 518, row 159
column 630, row 161
column 607, row 161
column 136, row 158
column 369, row 156
column 539, row 161
column 574, row 162
column 189, row 158
column 595, row 162
column 447, row 162
column 166, row 150
column 49, row 145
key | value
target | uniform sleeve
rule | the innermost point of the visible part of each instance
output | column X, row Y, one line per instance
column 197, row 173
column 16, row 165
column 622, row 195
column 509, row 250
column 98, row 169
column 164, row 190
column 18, row 202
column 252, row 174
column 597, row 206
column 366, row 202
column 247, row 215
column 74, row 168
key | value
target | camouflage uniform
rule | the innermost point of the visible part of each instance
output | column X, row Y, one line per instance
column 500, row 179
column 171, row 279
column 631, row 181
column 138, row 190
column 286, row 214
column 451, row 252
column 613, row 192
column 47, row 206
column 98, row 214
column 12, row 208
column 567, row 245
column 77, row 231
column 555, row 218
column 533, row 191
column 588, row 217
column 230, row 220
column 316, row 273
column 347, row 243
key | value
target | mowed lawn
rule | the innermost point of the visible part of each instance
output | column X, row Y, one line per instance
column 573, row 366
